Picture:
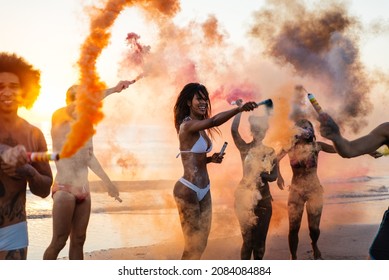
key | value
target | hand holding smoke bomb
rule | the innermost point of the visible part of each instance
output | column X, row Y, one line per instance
column 315, row 104
column 328, row 127
column 42, row 156
column 323, row 116
column 237, row 102
column 140, row 76
column 268, row 103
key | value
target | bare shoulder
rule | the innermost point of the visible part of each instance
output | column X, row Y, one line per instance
column 185, row 126
column 59, row 116
column 58, row 112
column 30, row 128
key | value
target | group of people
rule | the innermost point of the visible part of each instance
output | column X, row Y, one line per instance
column 260, row 165
column 195, row 126
column 19, row 86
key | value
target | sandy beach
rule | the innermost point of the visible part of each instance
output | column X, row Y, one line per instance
column 146, row 225
column 347, row 230
column 349, row 242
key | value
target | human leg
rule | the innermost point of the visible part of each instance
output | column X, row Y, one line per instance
column 264, row 212
column 295, row 213
column 314, row 209
column 62, row 213
column 379, row 249
column 17, row 254
column 195, row 220
column 14, row 242
column 79, row 227
column 246, row 249
column 246, row 218
column 205, row 221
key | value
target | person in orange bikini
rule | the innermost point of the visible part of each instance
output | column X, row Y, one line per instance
column 70, row 191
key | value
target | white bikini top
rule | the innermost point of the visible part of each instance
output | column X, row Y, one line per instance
column 201, row 146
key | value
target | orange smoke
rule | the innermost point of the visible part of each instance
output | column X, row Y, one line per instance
column 281, row 129
column 211, row 30
column 90, row 91
column 129, row 163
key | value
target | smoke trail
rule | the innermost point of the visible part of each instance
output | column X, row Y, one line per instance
column 281, row 139
column 139, row 50
column 299, row 108
column 135, row 59
column 90, row 91
column 321, row 44
column 211, row 30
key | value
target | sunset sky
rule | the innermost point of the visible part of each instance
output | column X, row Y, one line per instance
column 49, row 34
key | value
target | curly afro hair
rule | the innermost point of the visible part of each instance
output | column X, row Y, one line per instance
column 28, row 76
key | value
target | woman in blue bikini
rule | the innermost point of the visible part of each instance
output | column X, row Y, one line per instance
column 191, row 192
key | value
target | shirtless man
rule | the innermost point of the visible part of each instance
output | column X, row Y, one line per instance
column 70, row 191
column 367, row 144
column 19, row 87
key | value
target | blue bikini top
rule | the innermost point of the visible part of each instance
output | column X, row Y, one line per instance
column 201, row 146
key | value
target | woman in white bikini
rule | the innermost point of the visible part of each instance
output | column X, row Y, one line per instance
column 193, row 198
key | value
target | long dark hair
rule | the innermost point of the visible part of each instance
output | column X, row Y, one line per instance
column 181, row 108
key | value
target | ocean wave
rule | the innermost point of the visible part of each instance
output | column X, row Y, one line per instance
column 39, row 216
column 380, row 189
column 349, row 180
column 358, row 179
column 359, row 195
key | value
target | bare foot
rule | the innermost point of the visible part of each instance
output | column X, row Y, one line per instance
column 316, row 253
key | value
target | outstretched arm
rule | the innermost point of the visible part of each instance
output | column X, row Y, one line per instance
column 238, row 140
column 219, row 119
column 122, row 85
column 364, row 145
column 326, row 147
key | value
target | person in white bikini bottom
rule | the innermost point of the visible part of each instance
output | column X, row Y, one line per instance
column 201, row 193
column 192, row 191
